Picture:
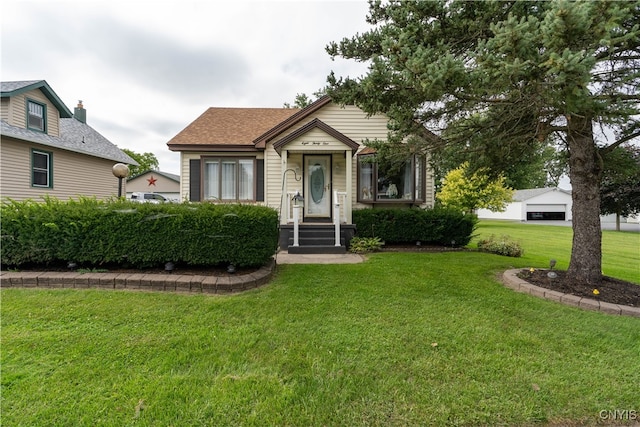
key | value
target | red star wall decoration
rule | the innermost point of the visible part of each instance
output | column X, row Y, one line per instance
column 152, row 181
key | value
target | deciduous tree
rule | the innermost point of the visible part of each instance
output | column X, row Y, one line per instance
column 146, row 162
column 468, row 191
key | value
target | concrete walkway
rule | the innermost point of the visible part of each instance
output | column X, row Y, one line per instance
column 283, row 257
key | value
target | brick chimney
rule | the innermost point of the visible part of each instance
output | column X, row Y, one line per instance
column 80, row 113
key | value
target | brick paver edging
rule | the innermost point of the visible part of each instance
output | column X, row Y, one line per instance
column 511, row 280
column 175, row 282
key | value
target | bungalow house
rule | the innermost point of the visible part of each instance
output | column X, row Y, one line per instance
column 550, row 203
column 306, row 163
column 46, row 150
column 153, row 181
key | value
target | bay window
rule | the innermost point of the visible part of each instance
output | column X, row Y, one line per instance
column 381, row 182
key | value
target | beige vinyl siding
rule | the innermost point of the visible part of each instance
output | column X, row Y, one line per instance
column 17, row 111
column 273, row 177
column 354, row 123
column 185, row 177
column 4, row 109
column 339, row 172
column 74, row 174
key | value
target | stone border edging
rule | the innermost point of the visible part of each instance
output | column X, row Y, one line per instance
column 511, row 280
column 139, row 281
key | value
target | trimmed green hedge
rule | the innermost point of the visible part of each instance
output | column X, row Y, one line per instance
column 439, row 226
column 92, row 232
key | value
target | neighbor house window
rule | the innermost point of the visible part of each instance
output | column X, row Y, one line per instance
column 36, row 116
column 386, row 182
column 229, row 179
column 41, row 170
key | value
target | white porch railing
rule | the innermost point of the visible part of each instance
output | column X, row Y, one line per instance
column 336, row 217
column 339, row 197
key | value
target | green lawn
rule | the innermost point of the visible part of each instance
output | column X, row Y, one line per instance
column 620, row 250
column 402, row 339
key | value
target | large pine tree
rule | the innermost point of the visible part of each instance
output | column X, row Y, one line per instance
column 513, row 72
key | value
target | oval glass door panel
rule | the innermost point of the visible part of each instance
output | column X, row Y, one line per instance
column 316, row 183
column 317, row 186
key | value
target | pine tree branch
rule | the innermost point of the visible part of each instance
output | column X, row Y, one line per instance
column 629, row 137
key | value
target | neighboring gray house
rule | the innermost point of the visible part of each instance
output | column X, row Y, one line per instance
column 46, row 150
column 535, row 204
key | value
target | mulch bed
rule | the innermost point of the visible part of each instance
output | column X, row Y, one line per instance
column 610, row 290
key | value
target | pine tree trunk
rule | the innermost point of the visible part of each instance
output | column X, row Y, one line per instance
column 585, row 170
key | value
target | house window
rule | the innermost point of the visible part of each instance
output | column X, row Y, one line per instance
column 386, row 182
column 41, row 170
column 36, row 116
column 229, row 179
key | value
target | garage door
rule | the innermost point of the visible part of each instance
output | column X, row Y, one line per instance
column 546, row 212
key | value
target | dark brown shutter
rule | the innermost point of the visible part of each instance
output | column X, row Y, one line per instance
column 260, row 180
column 194, row 180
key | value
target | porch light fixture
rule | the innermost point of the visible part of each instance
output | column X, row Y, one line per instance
column 298, row 199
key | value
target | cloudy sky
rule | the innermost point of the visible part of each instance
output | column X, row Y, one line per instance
column 146, row 69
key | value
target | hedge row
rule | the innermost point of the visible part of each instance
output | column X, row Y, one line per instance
column 439, row 226
column 92, row 232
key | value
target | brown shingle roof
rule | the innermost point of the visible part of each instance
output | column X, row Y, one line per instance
column 230, row 126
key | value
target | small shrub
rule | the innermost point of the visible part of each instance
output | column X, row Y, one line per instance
column 502, row 246
column 360, row 245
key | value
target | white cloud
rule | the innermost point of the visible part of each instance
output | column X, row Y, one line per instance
column 146, row 69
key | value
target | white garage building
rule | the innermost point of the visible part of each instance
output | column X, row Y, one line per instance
column 535, row 204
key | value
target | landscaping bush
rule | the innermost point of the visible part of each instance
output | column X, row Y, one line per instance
column 361, row 245
column 92, row 232
column 439, row 226
column 502, row 246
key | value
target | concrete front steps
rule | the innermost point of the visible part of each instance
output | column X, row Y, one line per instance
column 316, row 238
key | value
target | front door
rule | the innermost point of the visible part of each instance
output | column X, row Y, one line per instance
column 317, row 187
